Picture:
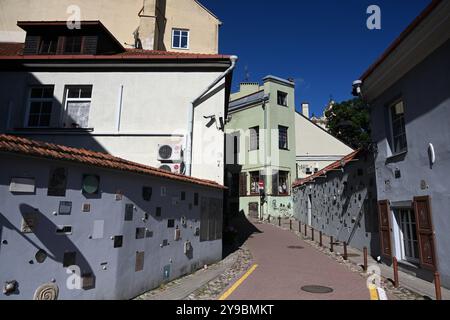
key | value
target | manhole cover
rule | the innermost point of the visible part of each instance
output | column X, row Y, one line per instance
column 317, row 289
column 295, row 247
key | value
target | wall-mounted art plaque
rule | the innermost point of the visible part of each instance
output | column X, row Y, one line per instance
column 57, row 182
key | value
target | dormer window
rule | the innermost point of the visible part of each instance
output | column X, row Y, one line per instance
column 73, row 45
column 48, row 45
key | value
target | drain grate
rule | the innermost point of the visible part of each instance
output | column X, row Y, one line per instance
column 317, row 289
column 296, row 247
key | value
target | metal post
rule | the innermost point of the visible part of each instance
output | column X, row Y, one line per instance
column 306, row 230
column 345, row 251
column 395, row 267
column 300, row 227
column 290, row 224
column 331, row 244
column 365, row 258
column 320, row 239
column 279, row 221
column 312, row 234
column 437, row 284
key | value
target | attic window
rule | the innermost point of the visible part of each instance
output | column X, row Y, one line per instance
column 180, row 39
column 48, row 45
column 73, row 45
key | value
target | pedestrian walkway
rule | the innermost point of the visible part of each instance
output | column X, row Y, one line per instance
column 284, row 264
column 408, row 281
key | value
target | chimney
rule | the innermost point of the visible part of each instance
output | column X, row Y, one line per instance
column 248, row 87
column 305, row 109
column 147, row 25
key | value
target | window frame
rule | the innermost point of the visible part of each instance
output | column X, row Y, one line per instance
column 252, row 174
column 64, row 49
column 251, row 146
column 280, row 127
column 181, row 30
column 392, row 145
column 52, row 39
column 30, row 100
column 67, row 100
column 287, row 193
column 286, row 95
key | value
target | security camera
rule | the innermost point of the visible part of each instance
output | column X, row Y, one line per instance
column 357, row 88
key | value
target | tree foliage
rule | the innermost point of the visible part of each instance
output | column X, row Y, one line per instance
column 349, row 121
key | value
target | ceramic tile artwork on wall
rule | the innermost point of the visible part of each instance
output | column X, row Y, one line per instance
column 147, row 193
column 140, row 233
column 171, row 223
column 57, row 182
column 88, row 281
column 22, row 185
column 119, row 195
column 64, row 230
column 65, row 208
column 118, row 241
column 98, row 229
column 86, row 207
column 129, row 210
column 29, row 222
column 139, row 261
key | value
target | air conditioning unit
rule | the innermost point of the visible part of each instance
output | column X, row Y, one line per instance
column 171, row 167
column 308, row 170
column 169, row 152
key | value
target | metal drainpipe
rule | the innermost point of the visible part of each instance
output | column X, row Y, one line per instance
column 190, row 132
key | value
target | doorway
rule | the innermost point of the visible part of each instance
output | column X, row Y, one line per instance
column 309, row 208
column 253, row 210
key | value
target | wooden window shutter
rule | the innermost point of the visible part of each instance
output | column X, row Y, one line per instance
column 425, row 233
column 262, row 178
column 384, row 211
column 275, row 183
column 31, row 45
column 90, row 45
column 243, row 184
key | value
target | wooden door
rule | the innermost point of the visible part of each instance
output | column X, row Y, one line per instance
column 384, row 211
column 253, row 210
column 425, row 233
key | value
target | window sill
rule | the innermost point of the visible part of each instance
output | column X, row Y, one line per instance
column 397, row 157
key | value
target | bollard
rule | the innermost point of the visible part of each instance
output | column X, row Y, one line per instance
column 437, row 284
column 365, row 258
column 279, row 221
column 320, row 239
column 331, row 244
column 268, row 218
column 312, row 234
column 395, row 267
column 290, row 225
column 300, row 227
column 306, row 230
column 345, row 251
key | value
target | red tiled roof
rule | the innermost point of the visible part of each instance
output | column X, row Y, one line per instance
column 417, row 21
column 334, row 166
column 24, row 146
column 14, row 51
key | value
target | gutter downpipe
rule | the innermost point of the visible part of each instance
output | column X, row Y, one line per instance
column 190, row 131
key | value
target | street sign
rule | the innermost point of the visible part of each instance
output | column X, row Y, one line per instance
column 261, row 185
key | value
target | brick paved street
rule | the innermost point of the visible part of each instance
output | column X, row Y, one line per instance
column 287, row 263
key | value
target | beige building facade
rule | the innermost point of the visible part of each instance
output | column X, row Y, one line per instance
column 167, row 25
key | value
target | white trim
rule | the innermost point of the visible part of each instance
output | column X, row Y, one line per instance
column 188, row 38
column 67, row 87
column 29, row 100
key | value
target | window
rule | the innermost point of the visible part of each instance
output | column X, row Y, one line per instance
column 280, row 183
column 73, row 45
column 243, row 184
column 282, row 98
column 40, row 106
column 171, row 223
column 180, row 39
column 48, row 45
column 254, row 182
column 408, row 235
column 283, row 137
column 399, row 143
column 254, row 138
column 78, row 103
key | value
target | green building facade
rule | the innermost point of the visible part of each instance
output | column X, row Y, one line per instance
column 261, row 148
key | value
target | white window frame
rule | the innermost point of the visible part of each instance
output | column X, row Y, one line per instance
column 30, row 100
column 67, row 100
column 391, row 128
column 188, row 38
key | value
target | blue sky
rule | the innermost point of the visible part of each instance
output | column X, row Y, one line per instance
column 323, row 44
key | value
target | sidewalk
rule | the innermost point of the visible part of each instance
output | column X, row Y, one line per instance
column 355, row 256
